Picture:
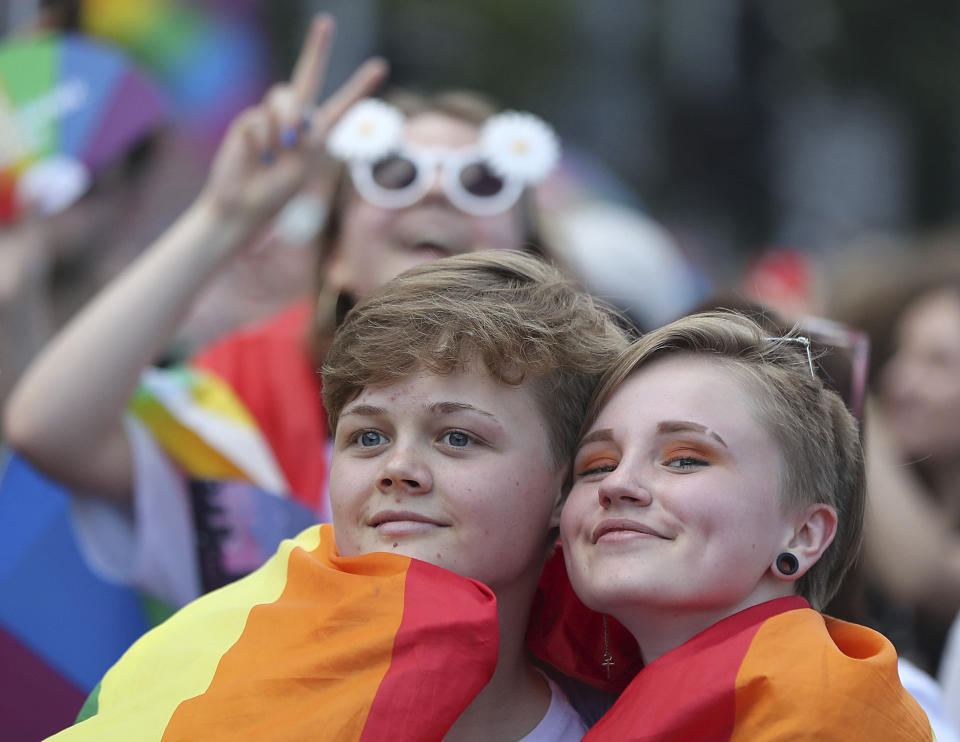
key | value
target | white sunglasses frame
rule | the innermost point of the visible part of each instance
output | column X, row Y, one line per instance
column 426, row 160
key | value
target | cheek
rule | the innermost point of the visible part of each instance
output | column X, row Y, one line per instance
column 574, row 510
column 346, row 485
column 363, row 225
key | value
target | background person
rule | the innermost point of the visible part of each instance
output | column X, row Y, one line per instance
column 68, row 415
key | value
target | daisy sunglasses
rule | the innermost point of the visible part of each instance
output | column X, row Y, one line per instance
column 514, row 150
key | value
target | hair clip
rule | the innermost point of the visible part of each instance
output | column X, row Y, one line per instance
column 800, row 340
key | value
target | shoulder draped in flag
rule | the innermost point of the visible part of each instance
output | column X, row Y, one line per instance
column 310, row 646
column 776, row 671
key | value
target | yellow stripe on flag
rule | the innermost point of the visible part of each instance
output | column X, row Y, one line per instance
column 140, row 693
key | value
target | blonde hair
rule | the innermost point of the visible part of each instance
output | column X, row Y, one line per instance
column 818, row 437
column 517, row 315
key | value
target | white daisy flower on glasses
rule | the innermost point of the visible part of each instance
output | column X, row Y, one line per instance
column 520, row 146
column 369, row 130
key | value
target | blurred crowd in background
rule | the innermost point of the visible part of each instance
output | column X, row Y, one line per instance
column 798, row 157
column 742, row 128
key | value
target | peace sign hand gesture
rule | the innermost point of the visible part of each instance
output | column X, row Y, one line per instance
column 270, row 148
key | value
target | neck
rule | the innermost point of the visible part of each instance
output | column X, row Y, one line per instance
column 517, row 696
column 660, row 629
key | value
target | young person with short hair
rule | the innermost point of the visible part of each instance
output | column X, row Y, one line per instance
column 187, row 478
column 718, row 500
column 455, row 395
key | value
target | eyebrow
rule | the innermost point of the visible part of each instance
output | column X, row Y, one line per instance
column 367, row 410
column 446, row 408
column 437, row 408
column 682, row 426
column 604, row 434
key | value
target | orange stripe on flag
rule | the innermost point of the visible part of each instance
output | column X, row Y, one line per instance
column 806, row 676
column 298, row 671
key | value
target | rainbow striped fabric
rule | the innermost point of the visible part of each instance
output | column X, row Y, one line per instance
column 310, row 646
column 777, row 671
column 196, row 417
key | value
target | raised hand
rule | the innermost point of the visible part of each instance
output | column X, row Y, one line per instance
column 270, row 148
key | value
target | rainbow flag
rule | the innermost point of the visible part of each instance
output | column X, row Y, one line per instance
column 201, row 423
column 776, row 671
column 310, row 646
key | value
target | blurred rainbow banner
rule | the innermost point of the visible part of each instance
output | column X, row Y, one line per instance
column 69, row 106
column 209, row 58
column 61, row 626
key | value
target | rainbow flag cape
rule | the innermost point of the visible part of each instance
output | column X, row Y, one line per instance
column 776, row 671
column 310, row 646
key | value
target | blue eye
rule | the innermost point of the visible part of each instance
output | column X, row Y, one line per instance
column 456, row 439
column 686, row 462
column 370, row 438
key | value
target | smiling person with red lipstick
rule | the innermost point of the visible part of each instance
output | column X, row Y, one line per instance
column 718, row 500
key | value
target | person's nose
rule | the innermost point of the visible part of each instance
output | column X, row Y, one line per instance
column 405, row 473
column 436, row 191
column 623, row 486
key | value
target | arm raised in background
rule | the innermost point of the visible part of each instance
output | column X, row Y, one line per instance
column 66, row 414
column 911, row 549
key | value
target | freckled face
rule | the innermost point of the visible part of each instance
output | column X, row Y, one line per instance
column 675, row 503
column 454, row 470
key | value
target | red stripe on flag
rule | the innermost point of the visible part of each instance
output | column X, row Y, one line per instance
column 444, row 654
column 688, row 693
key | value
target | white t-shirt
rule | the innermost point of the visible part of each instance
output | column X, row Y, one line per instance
column 561, row 723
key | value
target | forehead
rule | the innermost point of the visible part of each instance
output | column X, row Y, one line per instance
column 434, row 129
column 472, row 384
column 689, row 388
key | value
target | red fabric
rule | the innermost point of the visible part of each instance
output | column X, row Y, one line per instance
column 688, row 693
column 431, row 661
column 268, row 368
column 570, row 636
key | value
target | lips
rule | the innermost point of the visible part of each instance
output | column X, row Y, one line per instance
column 624, row 526
column 402, row 516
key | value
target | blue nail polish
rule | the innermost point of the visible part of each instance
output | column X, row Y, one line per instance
column 266, row 157
column 288, row 137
